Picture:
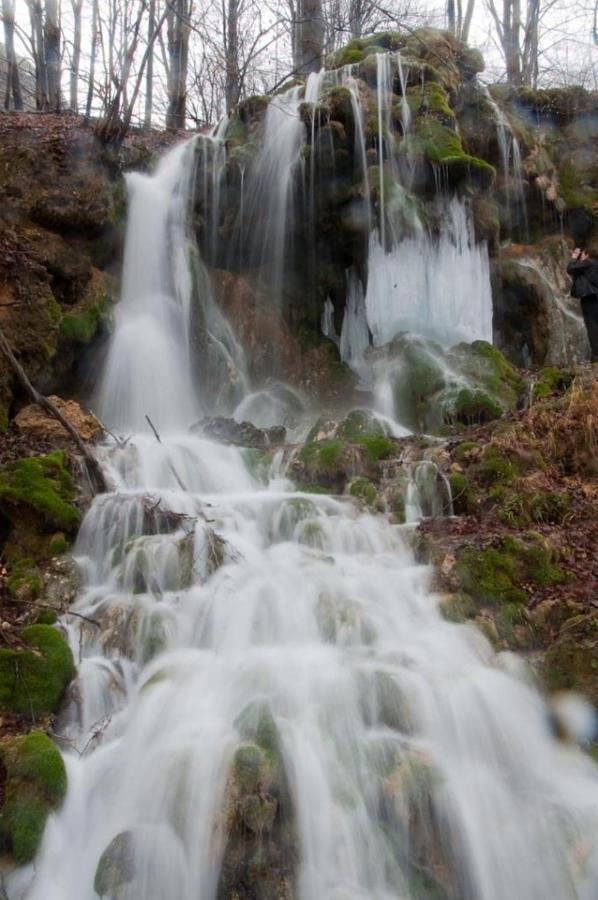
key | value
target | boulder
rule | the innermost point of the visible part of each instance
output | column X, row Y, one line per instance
column 36, row 422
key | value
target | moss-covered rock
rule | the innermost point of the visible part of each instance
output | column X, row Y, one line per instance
column 25, row 580
column 364, row 490
column 33, row 679
column 464, row 494
column 571, row 662
column 44, row 485
column 35, row 785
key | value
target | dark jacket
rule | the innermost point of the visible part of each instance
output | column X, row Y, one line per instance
column 585, row 277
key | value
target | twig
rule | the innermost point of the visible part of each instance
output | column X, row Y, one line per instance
column 94, row 470
column 152, row 426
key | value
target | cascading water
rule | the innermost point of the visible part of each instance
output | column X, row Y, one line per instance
column 236, row 627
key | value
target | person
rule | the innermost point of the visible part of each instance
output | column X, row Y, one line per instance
column 583, row 269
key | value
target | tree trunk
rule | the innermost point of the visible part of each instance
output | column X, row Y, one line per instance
column 149, row 72
column 52, row 54
column 13, row 86
column 178, row 53
column 451, row 19
column 92, row 62
column 311, row 43
column 356, row 18
column 467, row 20
column 74, row 100
column 39, row 57
column 232, row 87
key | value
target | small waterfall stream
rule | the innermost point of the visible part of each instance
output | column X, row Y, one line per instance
column 419, row 763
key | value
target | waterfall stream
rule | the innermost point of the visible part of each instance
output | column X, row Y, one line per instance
column 220, row 602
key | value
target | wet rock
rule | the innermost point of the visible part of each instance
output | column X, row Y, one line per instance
column 240, row 434
column 536, row 320
column 261, row 853
column 34, row 421
column 116, row 868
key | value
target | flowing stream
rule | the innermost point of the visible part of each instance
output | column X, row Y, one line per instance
column 419, row 764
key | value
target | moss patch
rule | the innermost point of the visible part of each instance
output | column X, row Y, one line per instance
column 35, row 785
column 498, row 574
column 43, row 484
column 25, row 577
column 33, row 682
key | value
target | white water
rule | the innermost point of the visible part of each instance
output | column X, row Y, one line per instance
column 420, row 764
column 435, row 287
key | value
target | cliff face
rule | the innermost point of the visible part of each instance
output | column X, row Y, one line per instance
column 523, row 163
column 62, row 217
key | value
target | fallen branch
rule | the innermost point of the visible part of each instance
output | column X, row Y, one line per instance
column 94, row 470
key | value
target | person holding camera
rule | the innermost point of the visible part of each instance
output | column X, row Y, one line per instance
column 583, row 269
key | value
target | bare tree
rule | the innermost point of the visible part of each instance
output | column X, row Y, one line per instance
column 77, row 6
column 92, row 60
column 52, row 54
column 178, row 25
column 518, row 36
column 309, row 38
column 13, row 86
column 149, row 71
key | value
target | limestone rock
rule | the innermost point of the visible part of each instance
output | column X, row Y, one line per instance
column 36, row 422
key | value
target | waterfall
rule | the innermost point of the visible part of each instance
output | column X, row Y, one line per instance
column 266, row 687
column 511, row 166
column 148, row 370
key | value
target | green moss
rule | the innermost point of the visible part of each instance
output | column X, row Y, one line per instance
column 80, row 328
column 35, row 784
column 442, row 145
column 322, row 456
column 398, row 509
column 363, row 490
column 464, row 450
column 470, row 406
column 26, row 576
column 248, row 767
column 522, row 506
column 551, row 380
column 463, row 494
column 349, row 55
column 430, row 97
column 457, row 607
column 359, row 423
column 32, row 682
column 490, row 575
column 46, row 617
column 574, row 190
column 58, row 544
column 496, row 574
column 376, row 447
column 497, row 465
column 44, row 484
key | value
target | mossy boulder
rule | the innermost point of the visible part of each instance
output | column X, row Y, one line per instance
column 25, row 580
column 35, row 785
column 34, row 678
column 42, row 484
column 363, row 489
column 571, row 662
